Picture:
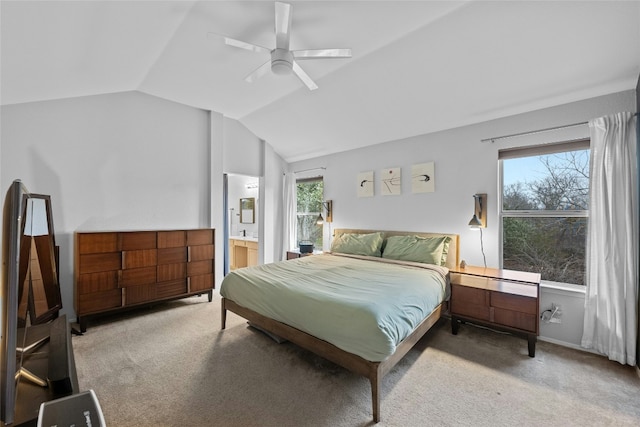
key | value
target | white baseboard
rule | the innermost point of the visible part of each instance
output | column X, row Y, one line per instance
column 568, row 344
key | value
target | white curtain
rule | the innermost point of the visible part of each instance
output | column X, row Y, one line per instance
column 610, row 318
column 290, row 218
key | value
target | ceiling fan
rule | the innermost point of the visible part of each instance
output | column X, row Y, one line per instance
column 283, row 60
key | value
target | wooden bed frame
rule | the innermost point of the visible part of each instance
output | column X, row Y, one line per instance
column 375, row 371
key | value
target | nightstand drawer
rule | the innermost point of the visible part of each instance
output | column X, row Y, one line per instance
column 470, row 302
column 515, row 319
column 514, row 303
column 465, row 295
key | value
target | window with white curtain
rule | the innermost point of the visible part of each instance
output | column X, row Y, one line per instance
column 544, row 210
column 310, row 194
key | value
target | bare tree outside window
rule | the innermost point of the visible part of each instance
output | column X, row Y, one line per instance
column 545, row 205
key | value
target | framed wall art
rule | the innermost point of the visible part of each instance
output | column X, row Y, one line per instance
column 365, row 184
column 391, row 182
column 423, row 178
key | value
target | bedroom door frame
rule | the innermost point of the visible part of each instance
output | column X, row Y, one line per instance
column 229, row 211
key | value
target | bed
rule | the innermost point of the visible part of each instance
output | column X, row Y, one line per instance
column 359, row 306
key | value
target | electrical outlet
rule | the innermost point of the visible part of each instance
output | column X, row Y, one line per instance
column 556, row 313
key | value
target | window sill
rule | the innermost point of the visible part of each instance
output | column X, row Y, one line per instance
column 563, row 288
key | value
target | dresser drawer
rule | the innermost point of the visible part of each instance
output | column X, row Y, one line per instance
column 172, row 255
column 92, row 243
column 172, row 271
column 199, row 237
column 97, row 282
column 99, row 301
column 139, row 258
column 171, row 288
column 93, row 263
column 171, row 239
column 200, row 283
column 137, row 276
column 200, row 253
column 197, row 268
column 139, row 294
column 133, row 240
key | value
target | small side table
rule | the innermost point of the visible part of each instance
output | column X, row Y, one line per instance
column 295, row 253
column 502, row 299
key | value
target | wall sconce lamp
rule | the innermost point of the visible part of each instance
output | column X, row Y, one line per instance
column 328, row 207
column 479, row 219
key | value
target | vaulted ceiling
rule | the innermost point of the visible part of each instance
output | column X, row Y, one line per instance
column 417, row 66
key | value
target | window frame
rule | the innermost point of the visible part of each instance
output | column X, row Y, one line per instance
column 319, row 178
column 532, row 151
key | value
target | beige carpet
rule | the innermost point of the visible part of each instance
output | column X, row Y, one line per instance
column 172, row 366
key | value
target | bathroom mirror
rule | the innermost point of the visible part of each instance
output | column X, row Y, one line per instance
column 247, row 210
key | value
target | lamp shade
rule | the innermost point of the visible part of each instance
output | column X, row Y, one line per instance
column 475, row 223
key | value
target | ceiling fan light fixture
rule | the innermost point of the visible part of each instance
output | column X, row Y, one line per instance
column 281, row 61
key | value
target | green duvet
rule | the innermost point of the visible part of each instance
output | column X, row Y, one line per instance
column 363, row 306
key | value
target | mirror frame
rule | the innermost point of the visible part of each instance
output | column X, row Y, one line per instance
column 247, row 210
column 48, row 256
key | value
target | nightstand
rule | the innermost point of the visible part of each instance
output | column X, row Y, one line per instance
column 295, row 253
column 502, row 299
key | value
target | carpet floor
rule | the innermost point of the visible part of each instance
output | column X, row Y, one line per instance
column 171, row 365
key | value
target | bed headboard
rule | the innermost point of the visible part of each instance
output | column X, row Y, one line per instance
column 453, row 259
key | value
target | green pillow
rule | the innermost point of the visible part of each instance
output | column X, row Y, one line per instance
column 358, row 244
column 428, row 250
column 445, row 251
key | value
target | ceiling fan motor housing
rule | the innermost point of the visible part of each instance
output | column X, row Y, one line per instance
column 281, row 61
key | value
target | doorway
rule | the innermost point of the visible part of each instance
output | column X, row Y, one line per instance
column 242, row 219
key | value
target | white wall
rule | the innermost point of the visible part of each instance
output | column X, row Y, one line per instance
column 272, row 193
column 242, row 150
column 110, row 162
column 463, row 166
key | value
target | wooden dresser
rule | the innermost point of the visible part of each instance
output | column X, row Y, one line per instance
column 116, row 270
column 503, row 299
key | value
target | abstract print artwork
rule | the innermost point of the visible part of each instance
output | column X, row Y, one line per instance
column 391, row 181
column 423, row 178
column 365, row 184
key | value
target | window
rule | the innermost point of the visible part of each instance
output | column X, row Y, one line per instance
column 544, row 210
column 309, row 202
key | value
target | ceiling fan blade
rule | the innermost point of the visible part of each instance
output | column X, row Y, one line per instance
column 245, row 45
column 258, row 72
column 304, row 77
column 321, row 53
column 283, row 25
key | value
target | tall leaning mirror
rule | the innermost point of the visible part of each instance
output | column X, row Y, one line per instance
column 247, row 210
column 40, row 291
